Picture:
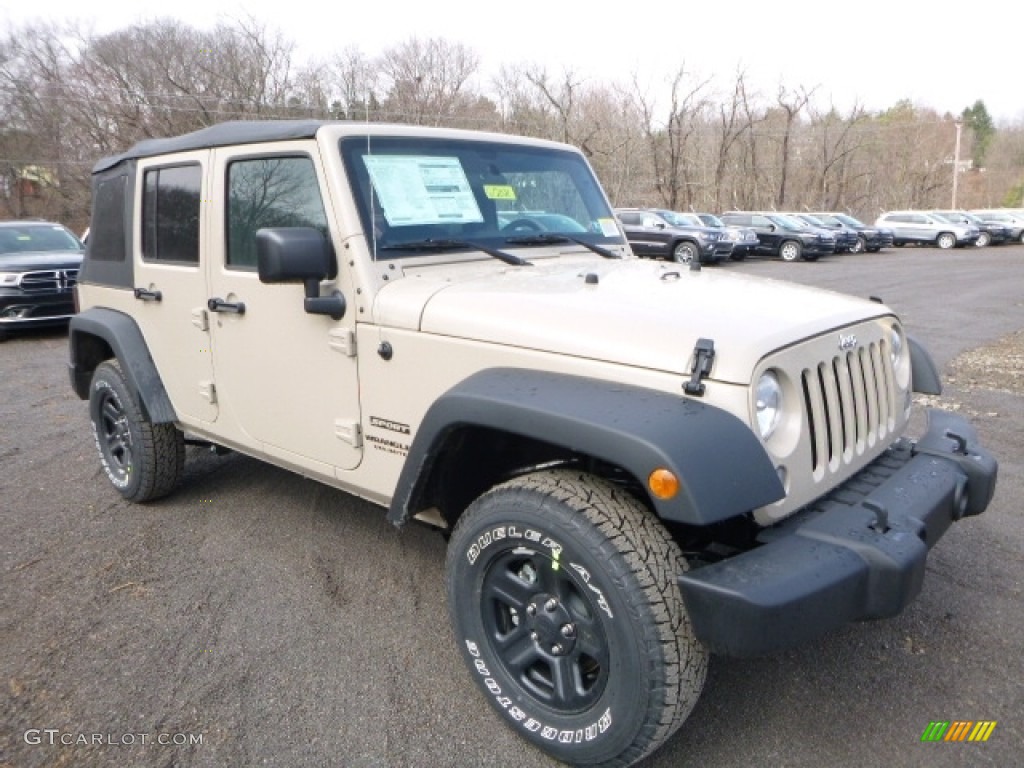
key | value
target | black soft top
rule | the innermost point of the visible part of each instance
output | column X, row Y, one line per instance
column 220, row 135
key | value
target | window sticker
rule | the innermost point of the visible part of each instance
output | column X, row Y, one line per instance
column 500, row 191
column 608, row 227
column 418, row 189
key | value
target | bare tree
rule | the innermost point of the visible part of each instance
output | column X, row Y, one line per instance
column 427, row 81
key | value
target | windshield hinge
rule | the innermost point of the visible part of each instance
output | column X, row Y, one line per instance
column 703, row 357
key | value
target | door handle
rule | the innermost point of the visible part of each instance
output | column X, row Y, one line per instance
column 219, row 305
column 143, row 294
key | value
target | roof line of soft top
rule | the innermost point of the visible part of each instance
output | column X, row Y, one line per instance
column 222, row 134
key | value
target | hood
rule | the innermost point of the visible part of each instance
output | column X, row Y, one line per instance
column 42, row 260
column 634, row 312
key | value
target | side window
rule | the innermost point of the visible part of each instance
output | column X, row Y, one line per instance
column 760, row 221
column 170, row 214
column 269, row 192
column 632, row 219
column 106, row 228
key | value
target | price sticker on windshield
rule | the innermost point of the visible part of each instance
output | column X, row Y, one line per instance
column 500, row 191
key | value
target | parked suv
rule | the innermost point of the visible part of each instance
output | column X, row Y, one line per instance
column 779, row 235
column 744, row 239
column 634, row 465
column 662, row 234
column 870, row 239
column 846, row 238
column 1014, row 222
column 921, row 228
column 39, row 263
column 989, row 232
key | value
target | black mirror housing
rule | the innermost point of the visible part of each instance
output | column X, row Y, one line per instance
column 293, row 255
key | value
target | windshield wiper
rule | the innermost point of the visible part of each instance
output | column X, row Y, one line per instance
column 442, row 244
column 549, row 239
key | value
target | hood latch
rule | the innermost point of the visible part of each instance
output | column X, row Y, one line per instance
column 703, row 357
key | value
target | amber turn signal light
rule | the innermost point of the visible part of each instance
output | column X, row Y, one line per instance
column 663, row 484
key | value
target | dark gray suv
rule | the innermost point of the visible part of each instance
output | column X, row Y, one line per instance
column 661, row 234
column 39, row 263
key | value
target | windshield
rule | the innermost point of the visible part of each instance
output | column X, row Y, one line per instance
column 412, row 190
column 681, row 219
column 848, row 220
column 812, row 220
column 787, row 223
column 711, row 220
column 25, row 238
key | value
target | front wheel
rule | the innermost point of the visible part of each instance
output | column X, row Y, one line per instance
column 983, row 239
column 685, row 252
column 563, row 598
column 790, row 250
column 144, row 461
column 946, row 240
column 860, row 246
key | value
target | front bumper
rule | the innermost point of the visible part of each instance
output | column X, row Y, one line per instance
column 859, row 553
column 19, row 308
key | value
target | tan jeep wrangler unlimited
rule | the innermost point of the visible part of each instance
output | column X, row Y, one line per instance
column 636, row 463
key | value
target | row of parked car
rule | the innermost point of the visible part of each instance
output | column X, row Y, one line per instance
column 791, row 236
column 801, row 235
column 949, row 229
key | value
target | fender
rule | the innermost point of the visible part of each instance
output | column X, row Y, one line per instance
column 122, row 335
column 723, row 469
column 924, row 375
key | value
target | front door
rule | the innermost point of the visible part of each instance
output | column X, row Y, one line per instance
column 286, row 380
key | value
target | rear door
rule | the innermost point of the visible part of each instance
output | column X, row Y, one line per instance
column 170, row 281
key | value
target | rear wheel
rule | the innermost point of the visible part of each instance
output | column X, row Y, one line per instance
column 790, row 250
column 144, row 461
column 685, row 252
column 860, row 246
column 563, row 598
column 983, row 239
column 945, row 240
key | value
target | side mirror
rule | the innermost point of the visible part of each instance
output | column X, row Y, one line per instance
column 300, row 255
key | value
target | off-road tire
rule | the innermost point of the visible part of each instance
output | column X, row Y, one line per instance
column 557, row 549
column 143, row 461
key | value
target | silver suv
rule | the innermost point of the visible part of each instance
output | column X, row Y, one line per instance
column 635, row 464
column 921, row 228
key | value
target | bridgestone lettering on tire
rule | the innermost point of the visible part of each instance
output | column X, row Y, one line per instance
column 144, row 461
column 563, row 598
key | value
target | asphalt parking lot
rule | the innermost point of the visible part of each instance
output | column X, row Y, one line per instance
column 257, row 618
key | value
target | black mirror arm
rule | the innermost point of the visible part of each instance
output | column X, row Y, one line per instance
column 333, row 305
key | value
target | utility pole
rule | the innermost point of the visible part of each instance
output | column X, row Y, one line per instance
column 956, row 160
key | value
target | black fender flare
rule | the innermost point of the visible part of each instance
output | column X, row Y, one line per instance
column 722, row 467
column 924, row 374
column 122, row 335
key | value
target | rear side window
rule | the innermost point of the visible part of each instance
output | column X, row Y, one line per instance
column 270, row 192
column 106, row 230
column 170, row 214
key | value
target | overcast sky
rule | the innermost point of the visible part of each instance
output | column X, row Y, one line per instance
column 873, row 52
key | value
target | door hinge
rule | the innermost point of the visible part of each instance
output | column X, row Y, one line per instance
column 208, row 391
column 200, row 319
column 342, row 340
column 350, row 431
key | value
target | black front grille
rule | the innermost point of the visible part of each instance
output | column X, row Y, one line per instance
column 49, row 281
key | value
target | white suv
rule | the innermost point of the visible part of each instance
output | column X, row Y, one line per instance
column 922, row 228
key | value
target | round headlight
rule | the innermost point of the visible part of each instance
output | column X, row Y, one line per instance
column 895, row 345
column 768, row 404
